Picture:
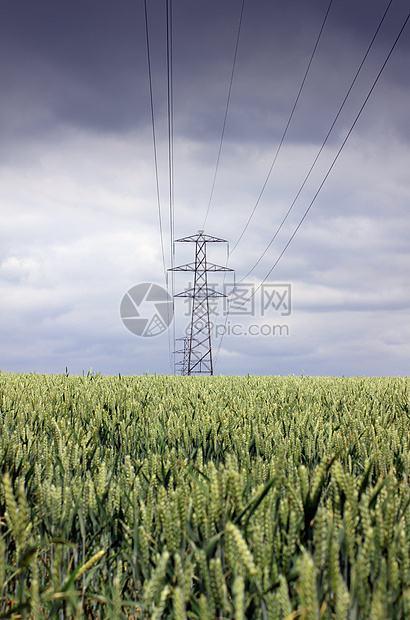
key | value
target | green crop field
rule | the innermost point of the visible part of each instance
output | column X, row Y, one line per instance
column 193, row 497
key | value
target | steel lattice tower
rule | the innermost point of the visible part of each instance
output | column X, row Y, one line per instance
column 199, row 346
column 183, row 364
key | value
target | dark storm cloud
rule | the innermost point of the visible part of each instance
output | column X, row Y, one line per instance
column 79, row 63
column 84, row 64
column 275, row 46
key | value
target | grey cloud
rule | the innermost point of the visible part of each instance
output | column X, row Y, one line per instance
column 78, row 215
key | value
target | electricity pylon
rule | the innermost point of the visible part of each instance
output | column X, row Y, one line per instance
column 183, row 364
column 199, row 335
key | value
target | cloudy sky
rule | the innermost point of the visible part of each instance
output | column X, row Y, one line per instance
column 79, row 222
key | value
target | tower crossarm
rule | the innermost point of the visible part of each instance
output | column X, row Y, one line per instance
column 191, row 292
column 206, row 267
column 201, row 237
column 212, row 267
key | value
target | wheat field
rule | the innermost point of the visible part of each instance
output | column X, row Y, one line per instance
column 204, row 497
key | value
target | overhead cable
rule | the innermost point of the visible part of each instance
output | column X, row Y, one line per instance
column 323, row 144
column 170, row 112
column 226, row 114
column 337, row 154
column 154, row 140
column 328, row 172
column 287, row 125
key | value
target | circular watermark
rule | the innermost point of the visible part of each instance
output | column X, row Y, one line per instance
column 147, row 310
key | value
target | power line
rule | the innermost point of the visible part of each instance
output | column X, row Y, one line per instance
column 224, row 126
column 280, row 144
column 338, row 153
column 323, row 144
column 156, row 161
column 287, row 125
column 328, row 172
column 170, row 113
column 154, row 136
column 226, row 113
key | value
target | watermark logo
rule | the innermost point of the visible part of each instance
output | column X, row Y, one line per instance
column 228, row 328
column 147, row 310
column 249, row 299
column 277, row 298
